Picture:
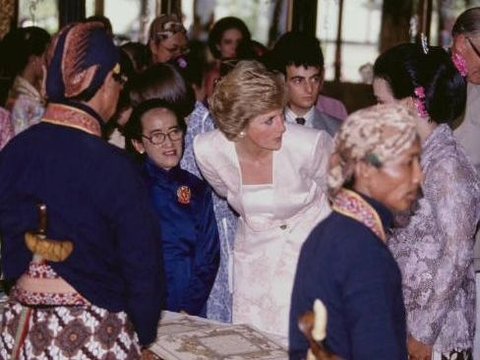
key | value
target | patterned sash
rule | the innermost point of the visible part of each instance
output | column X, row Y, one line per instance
column 352, row 205
column 59, row 114
column 48, row 297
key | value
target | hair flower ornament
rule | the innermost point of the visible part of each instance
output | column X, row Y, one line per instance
column 460, row 64
column 420, row 101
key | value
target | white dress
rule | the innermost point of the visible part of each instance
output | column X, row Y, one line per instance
column 275, row 219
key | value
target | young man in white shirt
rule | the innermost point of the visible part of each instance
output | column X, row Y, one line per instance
column 299, row 57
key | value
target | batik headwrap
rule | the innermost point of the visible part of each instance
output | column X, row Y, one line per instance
column 166, row 26
column 79, row 60
column 376, row 135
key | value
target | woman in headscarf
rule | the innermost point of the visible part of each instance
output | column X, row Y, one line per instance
column 345, row 262
column 434, row 245
column 167, row 38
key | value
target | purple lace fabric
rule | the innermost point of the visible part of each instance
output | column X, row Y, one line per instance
column 219, row 304
column 6, row 128
column 435, row 248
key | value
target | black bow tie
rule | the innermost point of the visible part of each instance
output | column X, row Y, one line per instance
column 300, row 121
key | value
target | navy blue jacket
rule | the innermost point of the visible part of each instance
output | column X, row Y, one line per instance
column 191, row 247
column 344, row 264
column 97, row 199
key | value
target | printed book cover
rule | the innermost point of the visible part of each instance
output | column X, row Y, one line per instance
column 192, row 338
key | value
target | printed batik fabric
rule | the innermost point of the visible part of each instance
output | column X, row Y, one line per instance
column 66, row 332
column 434, row 250
column 219, row 303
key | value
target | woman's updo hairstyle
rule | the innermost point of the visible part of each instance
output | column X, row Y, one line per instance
column 430, row 77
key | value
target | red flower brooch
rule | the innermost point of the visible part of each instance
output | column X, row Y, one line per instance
column 184, row 195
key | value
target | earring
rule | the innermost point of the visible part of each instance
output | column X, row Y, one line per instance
column 242, row 134
column 460, row 63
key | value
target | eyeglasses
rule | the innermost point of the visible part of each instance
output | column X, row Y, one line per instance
column 475, row 49
column 120, row 78
column 159, row 138
column 176, row 51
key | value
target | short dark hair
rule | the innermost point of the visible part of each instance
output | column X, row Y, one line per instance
column 21, row 43
column 219, row 28
column 104, row 20
column 406, row 67
column 163, row 81
column 297, row 49
column 468, row 22
column 139, row 54
column 133, row 128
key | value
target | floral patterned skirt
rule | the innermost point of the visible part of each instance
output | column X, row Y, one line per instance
column 65, row 332
column 454, row 355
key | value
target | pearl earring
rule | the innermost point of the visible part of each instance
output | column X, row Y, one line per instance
column 242, row 134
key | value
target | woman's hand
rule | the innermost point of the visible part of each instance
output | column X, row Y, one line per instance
column 418, row 350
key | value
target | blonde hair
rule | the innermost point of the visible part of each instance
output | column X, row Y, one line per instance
column 247, row 91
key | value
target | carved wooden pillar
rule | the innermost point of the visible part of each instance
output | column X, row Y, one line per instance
column 99, row 7
column 71, row 11
column 425, row 16
column 338, row 47
column 169, row 7
column 304, row 16
column 395, row 23
column 8, row 16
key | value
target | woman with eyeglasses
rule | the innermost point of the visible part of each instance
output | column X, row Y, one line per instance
column 466, row 56
column 183, row 204
column 167, row 38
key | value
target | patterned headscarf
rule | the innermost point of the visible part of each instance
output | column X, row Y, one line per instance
column 79, row 60
column 166, row 26
column 376, row 134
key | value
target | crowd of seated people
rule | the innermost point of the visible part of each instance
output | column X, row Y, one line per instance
column 251, row 198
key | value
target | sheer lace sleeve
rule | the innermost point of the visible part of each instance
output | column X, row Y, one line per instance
column 441, row 241
column 200, row 122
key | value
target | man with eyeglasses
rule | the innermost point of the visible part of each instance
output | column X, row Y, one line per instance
column 90, row 265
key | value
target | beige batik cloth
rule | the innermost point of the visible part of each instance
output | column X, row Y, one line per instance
column 376, row 134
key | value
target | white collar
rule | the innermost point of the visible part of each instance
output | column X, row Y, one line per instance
column 290, row 116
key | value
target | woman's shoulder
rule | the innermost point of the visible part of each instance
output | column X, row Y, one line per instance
column 306, row 142
column 210, row 135
column 301, row 134
column 209, row 141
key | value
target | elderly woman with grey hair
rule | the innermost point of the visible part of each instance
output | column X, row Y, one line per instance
column 345, row 262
